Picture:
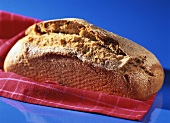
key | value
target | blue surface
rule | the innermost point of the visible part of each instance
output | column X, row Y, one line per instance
column 146, row 22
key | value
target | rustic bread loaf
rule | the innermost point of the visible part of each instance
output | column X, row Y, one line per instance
column 77, row 54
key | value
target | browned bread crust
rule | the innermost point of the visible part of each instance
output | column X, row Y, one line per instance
column 78, row 54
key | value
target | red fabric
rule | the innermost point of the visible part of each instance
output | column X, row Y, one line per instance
column 20, row 88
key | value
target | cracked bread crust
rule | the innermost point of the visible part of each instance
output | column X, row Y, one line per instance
column 78, row 54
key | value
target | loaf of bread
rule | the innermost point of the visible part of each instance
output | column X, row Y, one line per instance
column 75, row 53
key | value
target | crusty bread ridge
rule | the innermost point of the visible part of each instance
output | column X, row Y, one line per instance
column 78, row 54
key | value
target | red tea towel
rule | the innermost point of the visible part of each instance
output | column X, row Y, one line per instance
column 20, row 88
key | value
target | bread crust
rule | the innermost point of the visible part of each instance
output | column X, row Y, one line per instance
column 77, row 54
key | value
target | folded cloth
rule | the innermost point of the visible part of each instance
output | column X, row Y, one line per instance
column 20, row 88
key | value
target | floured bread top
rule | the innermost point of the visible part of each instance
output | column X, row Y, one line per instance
column 87, row 42
column 78, row 38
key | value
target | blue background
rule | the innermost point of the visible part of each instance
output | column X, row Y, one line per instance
column 146, row 22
